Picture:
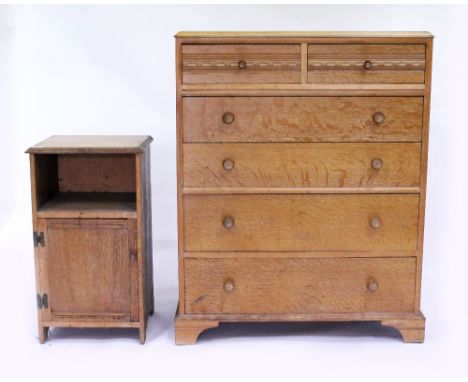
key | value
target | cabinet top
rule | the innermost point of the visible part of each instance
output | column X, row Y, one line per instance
column 324, row 34
column 91, row 144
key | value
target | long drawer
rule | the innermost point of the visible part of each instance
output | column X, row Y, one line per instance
column 302, row 119
column 310, row 222
column 301, row 165
column 279, row 286
column 241, row 63
column 366, row 63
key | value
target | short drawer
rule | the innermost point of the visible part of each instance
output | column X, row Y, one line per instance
column 241, row 63
column 315, row 222
column 280, row 286
column 301, row 165
column 302, row 119
column 366, row 63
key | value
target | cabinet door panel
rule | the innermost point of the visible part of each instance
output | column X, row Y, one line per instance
column 88, row 269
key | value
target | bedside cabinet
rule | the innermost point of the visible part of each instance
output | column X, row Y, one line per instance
column 91, row 206
column 302, row 160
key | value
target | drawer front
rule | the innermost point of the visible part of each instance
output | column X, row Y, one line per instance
column 301, row 165
column 388, row 222
column 241, row 63
column 366, row 63
column 280, row 286
column 302, row 119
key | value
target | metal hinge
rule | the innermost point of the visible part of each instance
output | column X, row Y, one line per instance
column 38, row 238
column 42, row 301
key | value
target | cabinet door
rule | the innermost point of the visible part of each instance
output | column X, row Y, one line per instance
column 89, row 270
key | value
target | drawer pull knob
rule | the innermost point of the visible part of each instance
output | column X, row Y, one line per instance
column 367, row 64
column 228, row 286
column 228, row 222
column 377, row 163
column 241, row 64
column 375, row 222
column 228, row 118
column 132, row 257
column 378, row 117
column 372, row 285
column 228, row 164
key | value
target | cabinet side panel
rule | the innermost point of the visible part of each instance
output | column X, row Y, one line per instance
column 147, row 231
column 423, row 176
column 180, row 185
column 45, row 179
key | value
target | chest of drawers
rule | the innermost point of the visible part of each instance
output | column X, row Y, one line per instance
column 301, row 177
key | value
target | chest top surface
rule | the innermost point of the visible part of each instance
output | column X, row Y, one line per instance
column 304, row 34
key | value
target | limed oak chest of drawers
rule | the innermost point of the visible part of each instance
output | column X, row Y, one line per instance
column 301, row 177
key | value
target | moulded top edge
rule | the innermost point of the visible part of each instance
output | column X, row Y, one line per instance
column 91, row 144
column 324, row 34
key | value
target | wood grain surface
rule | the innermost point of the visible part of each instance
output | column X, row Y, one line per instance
column 302, row 119
column 273, row 286
column 90, row 200
column 97, row 144
column 300, row 222
column 344, row 63
column 89, row 205
column 88, row 269
column 96, row 173
column 284, row 212
column 302, row 165
column 265, row 35
column 263, row 63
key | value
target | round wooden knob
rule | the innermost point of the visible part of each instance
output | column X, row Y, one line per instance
column 367, row 64
column 228, row 222
column 228, row 286
column 377, row 163
column 228, row 118
column 378, row 117
column 372, row 285
column 241, row 64
column 375, row 222
column 228, row 164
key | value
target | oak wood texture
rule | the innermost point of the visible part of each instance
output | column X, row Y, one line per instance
column 366, row 63
column 243, row 63
column 304, row 34
column 286, row 187
column 90, row 208
column 89, row 205
column 96, row 173
column 187, row 331
column 97, row 144
column 300, row 222
column 411, row 326
column 280, row 286
column 411, row 330
column 304, row 165
column 302, row 119
column 94, row 278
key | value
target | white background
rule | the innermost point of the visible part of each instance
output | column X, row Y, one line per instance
column 110, row 70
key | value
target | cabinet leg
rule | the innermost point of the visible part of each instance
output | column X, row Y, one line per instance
column 187, row 331
column 43, row 333
column 142, row 333
column 411, row 330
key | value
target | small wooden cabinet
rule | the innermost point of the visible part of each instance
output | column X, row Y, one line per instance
column 91, row 207
column 302, row 161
